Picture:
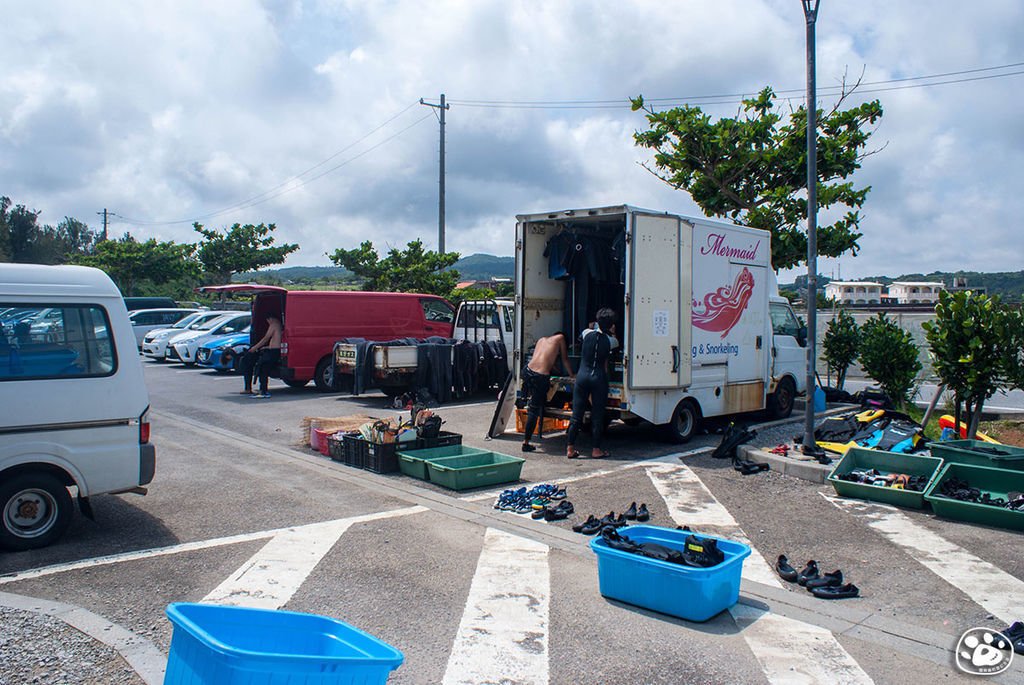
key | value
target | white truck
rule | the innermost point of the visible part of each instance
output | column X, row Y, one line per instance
column 702, row 329
column 395, row 366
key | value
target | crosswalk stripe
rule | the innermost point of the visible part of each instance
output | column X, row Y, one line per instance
column 1000, row 593
column 274, row 574
column 503, row 635
column 790, row 652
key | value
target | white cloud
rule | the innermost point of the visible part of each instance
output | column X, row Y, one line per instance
column 185, row 111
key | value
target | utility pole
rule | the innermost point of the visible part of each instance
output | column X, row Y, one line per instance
column 809, row 444
column 103, row 236
column 440, row 196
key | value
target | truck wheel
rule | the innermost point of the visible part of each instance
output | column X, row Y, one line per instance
column 685, row 422
column 780, row 402
column 36, row 508
column 323, row 376
column 295, row 383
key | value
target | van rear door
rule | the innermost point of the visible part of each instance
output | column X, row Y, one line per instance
column 658, row 339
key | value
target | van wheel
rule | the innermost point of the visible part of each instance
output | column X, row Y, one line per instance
column 323, row 376
column 685, row 422
column 36, row 508
column 780, row 402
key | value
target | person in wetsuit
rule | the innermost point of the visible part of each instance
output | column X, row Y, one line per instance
column 537, row 379
column 592, row 382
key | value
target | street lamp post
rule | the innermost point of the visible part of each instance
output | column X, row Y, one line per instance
column 809, row 444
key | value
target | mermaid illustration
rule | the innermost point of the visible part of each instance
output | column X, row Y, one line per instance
column 724, row 307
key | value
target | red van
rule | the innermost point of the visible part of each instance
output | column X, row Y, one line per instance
column 314, row 320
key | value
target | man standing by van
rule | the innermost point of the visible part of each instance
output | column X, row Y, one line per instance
column 537, row 379
column 269, row 348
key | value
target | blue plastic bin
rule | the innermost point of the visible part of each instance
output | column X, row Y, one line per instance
column 225, row 645
column 694, row 594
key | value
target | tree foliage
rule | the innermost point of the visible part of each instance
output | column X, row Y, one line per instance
column 840, row 345
column 24, row 240
column 752, row 168
column 240, row 248
column 412, row 270
column 889, row 355
column 975, row 343
column 130, row 263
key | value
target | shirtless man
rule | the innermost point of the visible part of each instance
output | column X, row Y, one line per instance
column 537, row 379
column 269, row 348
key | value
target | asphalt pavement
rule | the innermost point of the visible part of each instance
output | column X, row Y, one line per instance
column 240, row 512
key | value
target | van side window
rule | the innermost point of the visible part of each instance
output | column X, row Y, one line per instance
column 478, row 316
column 508, row 319
column 437, row 310
column 57, row 342
column 783, row 320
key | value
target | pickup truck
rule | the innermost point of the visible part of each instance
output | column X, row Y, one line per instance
column 395, row 366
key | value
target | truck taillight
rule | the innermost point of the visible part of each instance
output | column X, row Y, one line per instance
column 144, row 428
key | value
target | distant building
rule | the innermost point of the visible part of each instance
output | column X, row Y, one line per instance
column 960, row 283
column 491, row 283
column 913, row 292
column 854, row 292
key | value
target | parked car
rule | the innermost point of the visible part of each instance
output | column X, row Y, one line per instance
column 133, row 303
column 146, row 320
column 184, row 346
column 223, row 353
column 154, row 345
column 75, row 409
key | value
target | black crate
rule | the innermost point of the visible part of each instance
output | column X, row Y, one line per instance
column 352, row 450
column 336, row 447
column 444, row 439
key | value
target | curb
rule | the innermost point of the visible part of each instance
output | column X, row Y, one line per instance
column 141, row 655
column 797, row 468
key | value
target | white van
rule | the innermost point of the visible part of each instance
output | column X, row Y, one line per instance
column 74, row 402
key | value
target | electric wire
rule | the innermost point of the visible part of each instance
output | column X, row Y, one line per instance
column 287, row 186
column 731, row 98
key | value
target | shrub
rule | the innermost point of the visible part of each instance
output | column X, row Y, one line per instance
column 889, row 356
column 840, row 345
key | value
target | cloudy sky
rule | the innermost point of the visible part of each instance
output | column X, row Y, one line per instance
column 306, row 113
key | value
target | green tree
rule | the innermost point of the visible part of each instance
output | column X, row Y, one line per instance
column 889, row 355
column 239, row 249
column 24, row 240
column 840, row 345
column 412, row 270
column 752, row 168
column 130, row 263
column 1012, row 361
column 970, row 341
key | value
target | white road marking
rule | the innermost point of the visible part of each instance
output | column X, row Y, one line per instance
column 491, row 494
column 1000, row 593
column 790, row 652
column 274, row 574
column 178, row 549
column 503, row 635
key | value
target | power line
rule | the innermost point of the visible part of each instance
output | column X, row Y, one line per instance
column 733, row 98
column 286, row 186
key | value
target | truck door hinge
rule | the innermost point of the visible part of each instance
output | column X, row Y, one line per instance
column 519, row 244
column 629, row 237
column 627, row 299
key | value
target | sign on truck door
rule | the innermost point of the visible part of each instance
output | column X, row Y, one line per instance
column 659, row 323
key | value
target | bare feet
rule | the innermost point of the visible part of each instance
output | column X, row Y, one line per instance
column 571, row 452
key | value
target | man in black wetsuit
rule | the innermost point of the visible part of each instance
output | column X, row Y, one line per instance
column 592, row 382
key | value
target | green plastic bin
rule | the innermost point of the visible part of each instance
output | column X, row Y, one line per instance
column 474, row 470
column 414, row 462
column 885, row 463
column 974, row 453
column 996, row 482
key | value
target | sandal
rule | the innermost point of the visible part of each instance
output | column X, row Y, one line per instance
column 574, row 454
column 602, row 455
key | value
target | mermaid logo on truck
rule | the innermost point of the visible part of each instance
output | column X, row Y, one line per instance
column 724, row 307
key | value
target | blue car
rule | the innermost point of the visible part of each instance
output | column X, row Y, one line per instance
column 223, row 353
